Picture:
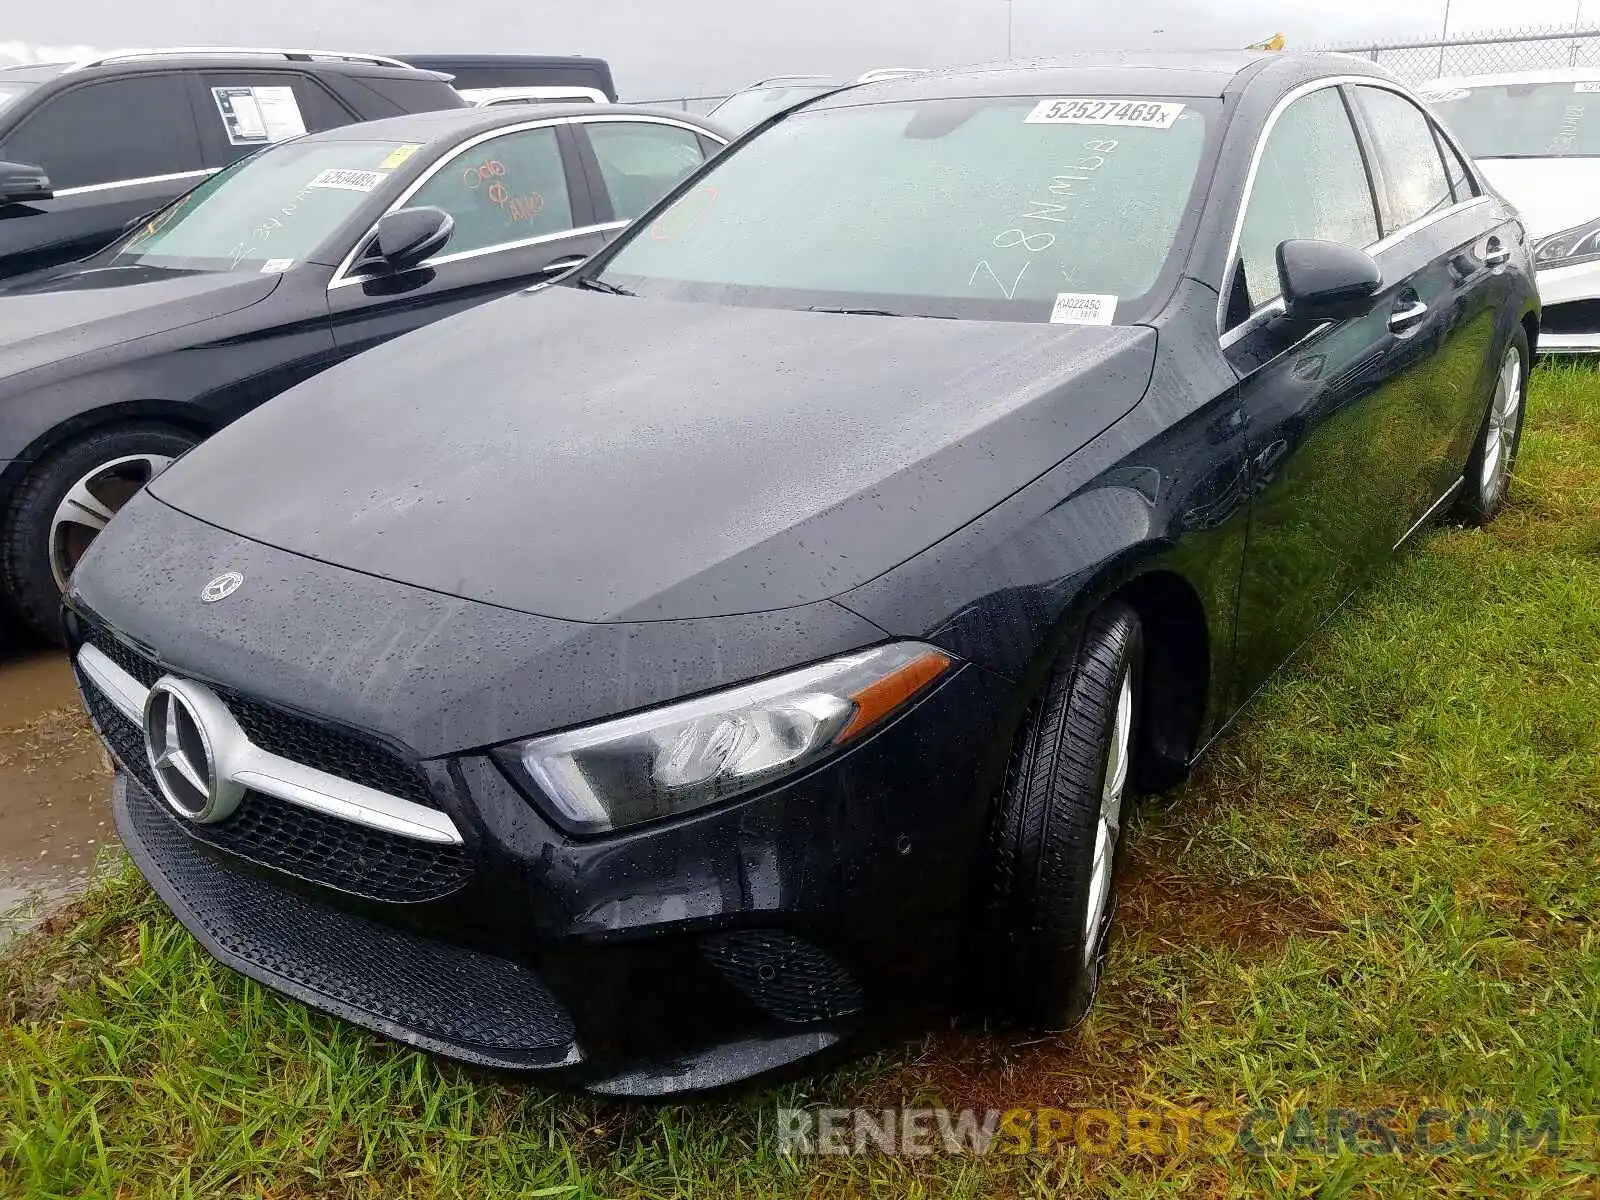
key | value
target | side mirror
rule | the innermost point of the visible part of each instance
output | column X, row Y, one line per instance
column 411, row 236
column 22, row 184
column 1326, row 281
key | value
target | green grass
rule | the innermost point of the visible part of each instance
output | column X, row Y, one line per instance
column 1380, row 890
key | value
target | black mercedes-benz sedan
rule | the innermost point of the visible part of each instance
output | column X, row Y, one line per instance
column 276, row 268
column 722, row 654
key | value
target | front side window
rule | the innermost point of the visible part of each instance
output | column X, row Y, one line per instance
column 1415, row 183
column 120, row 129
column 1522, row 120
column 991, row 208
column 503, row 190
column 10, row 93
column 1310, row 183
column 268, row 211
column 642, row 161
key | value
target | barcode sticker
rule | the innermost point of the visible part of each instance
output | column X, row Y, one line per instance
column 1156, row 114
column 1083, row 308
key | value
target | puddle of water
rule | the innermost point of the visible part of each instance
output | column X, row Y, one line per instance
column 55, row 777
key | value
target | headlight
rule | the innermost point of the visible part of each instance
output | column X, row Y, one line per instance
column 1568, row 247
column 681, row 757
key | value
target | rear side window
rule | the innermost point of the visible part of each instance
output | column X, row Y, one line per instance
column 1415, row 185
column 118, row 129
column 641, row 161
column 1462, row 185
column 1311, row 183
column 504, row 190
column 394, row 94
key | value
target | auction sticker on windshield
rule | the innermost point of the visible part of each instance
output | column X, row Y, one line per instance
column 1083, row 308
column 1156, row 114
column 348, row 181
column 1590, row 87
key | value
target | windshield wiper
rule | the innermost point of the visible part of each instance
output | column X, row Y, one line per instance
column 591, row 284
column 877, row 312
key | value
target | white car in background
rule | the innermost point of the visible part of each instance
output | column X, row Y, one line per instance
column 1536, row 136
column 484, row 97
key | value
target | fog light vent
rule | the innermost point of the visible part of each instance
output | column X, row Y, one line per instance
column 784, row 976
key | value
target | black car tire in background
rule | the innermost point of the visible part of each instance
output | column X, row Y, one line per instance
column 1494, row 452
column 1071, row 754
column 26, row 544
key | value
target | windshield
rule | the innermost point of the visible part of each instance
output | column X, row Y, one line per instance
column 749, row 109
column 11, row 92
column 1010, row 208
column 1523, row 120
column 266, row 212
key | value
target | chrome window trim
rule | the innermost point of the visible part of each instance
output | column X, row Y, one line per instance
column 202, row 173
column 1232, row 257
column 342, row 276
column 283, row 778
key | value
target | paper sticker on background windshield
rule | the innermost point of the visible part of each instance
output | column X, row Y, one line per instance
column 399, row 154
column 1156, row 114
column 276, row 266
column 1083, row 308
column 1590, row 87
column 348, row 181
column 255, row 116
column 1446, row 95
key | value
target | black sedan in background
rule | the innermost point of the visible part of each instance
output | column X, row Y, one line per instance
column 275, row 269
column 650, row 679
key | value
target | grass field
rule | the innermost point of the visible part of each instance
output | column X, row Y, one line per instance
column 1380, row 891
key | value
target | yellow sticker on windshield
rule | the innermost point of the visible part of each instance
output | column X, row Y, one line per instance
column 399, row 155
column 1155, row 114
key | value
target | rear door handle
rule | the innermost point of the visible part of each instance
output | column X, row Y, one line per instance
column 1496, row 254
column 1406, row 317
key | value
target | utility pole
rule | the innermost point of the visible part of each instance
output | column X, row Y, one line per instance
column 1444, row 35
column 1010, row 8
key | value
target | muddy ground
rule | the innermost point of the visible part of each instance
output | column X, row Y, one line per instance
column 55, row 813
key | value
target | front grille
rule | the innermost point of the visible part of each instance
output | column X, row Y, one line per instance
column 308, row 845
column 786, row 977
column 347, row 755
column 432, row 994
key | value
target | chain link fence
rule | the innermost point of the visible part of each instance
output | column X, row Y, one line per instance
column 1484, row 53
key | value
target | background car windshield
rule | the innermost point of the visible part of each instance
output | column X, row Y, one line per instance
column 751, row 108
column 12, row 92
column 1523, row 120
column 275, row 207
column 953, row 208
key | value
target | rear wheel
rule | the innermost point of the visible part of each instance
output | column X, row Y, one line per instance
column 64, row 503
column 1494, row 453
column 1052, row 851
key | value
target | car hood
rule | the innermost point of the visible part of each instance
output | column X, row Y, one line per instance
column 63, row 313
column 1552, row 194
column 601, row 458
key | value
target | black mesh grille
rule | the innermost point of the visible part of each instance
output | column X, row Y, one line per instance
column 785, row 977
column 309, row 845
column 1574, row 316
column 429, row 993
column 347, row 755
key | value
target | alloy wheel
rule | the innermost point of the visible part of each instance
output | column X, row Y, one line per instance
column 1501, row 440
column 91, row 502
column 1109, row 822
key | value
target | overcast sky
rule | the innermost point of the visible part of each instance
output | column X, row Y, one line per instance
column 676, row 47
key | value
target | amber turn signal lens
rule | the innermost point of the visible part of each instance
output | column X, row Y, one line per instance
column 878, row 699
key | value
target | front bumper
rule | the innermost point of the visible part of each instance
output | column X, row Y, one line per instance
column 677, row 957
column 1570, row 300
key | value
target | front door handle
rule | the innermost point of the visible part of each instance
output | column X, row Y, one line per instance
column 562, row 265
column 1496, row 254
column 1407, row 316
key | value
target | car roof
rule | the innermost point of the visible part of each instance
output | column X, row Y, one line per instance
column 1110, row 73
column 447, row 124
column 1501, row 79
column 32, row 72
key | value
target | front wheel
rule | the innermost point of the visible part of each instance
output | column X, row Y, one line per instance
column 64, row 503
column 1494, row 453
column 1052, row 848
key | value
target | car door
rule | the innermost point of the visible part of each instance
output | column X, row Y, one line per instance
column 522, row 212
column 1451, row 251
column 1313, row 398
column 238, row 112
column 633, row 161
column 114, row 149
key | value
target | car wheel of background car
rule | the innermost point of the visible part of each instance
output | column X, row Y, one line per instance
column 1054, row 834
column 64, row 503
column 1494, row 453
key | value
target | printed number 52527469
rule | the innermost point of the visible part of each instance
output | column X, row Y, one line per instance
column 1154, row 114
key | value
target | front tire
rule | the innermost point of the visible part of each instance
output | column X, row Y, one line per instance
column 1052, row 848
column 62, row 505
column 1494, row 453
